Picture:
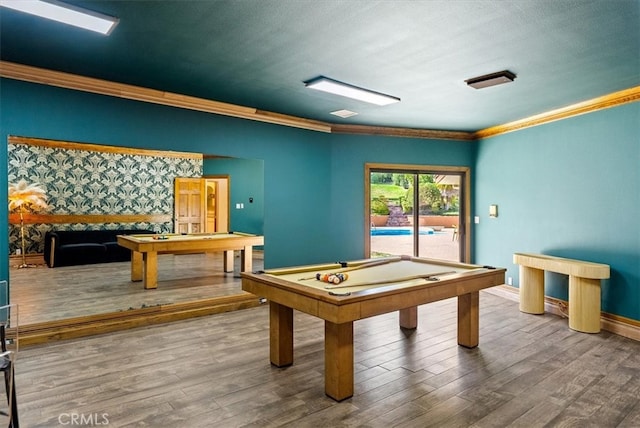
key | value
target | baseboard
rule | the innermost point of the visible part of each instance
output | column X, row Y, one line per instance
column 612, row 323
column 30, row 259
column 105, row 323
column 77, row 327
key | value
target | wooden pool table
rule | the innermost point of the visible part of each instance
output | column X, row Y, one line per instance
column 374, row 287
column 145, row 250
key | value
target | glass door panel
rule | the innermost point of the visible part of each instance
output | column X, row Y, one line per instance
column 414, row 213
column 438, row 219
column 391, row 230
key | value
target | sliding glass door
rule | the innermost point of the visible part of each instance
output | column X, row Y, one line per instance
column 417, row 210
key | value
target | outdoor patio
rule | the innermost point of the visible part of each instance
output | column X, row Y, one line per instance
column 438, row 245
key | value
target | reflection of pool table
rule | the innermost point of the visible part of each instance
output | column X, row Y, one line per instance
column 394, row 284
column 145, row 250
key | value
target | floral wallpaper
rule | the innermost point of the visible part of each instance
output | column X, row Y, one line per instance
column 95, row 182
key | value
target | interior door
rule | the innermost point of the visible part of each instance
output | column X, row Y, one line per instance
column 190, row 205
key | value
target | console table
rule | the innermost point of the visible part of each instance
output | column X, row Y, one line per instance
column 584, row 287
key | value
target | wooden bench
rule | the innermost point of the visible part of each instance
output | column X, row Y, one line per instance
column 584, row 287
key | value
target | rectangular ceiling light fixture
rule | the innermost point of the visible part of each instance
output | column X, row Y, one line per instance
column 343, row 89
column 64, row 13
column 492, row 79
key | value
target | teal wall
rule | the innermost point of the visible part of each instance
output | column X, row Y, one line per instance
column 296, row 162
column 313, row 181
column 348, row 158
column 571, row 189
column 246, row 182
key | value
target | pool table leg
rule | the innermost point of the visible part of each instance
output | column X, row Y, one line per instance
column 246, row 259
column 150, row 279
column 338, row 360
column 409, row 317
column 228, row 261
column 280, row 334
column 468, row 319
column 136, row 266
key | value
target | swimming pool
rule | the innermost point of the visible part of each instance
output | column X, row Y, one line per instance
column 397, row 231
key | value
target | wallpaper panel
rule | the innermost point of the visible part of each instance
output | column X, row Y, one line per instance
column 94, row 182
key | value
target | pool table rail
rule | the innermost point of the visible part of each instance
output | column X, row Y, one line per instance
column 285, row 292
column 370, row 302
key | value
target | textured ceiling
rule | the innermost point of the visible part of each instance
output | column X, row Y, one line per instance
column 258, row 53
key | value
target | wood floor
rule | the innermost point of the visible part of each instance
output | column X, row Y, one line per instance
column 529, row 371
column 45, row 294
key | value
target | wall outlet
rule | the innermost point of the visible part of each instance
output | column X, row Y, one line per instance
column 509, row 280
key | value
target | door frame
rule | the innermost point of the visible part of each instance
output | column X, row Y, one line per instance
column 464, row 227
column 223, row 201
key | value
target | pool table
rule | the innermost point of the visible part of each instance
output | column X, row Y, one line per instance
column 373, row 287
column 145, row 250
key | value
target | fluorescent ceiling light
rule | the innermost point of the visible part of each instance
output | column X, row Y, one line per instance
column 64, row 13
column 338, row 88
column 492, row 79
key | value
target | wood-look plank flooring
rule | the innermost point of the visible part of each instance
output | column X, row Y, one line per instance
column 529, row 371
column 44, row 294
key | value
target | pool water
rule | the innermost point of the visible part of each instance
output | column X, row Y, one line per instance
column 397, row 231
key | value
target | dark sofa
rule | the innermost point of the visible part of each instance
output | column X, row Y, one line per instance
column 81, row 247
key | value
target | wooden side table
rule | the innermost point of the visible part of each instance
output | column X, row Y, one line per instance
column 584, row 287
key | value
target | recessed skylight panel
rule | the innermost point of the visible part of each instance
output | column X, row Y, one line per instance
column 344, row 113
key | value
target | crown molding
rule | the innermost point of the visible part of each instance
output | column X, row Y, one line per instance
column 97, row 86
column 614, row 99
column 72, row 145
column 402, row 132
column 103, row 87
column 42, row 76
